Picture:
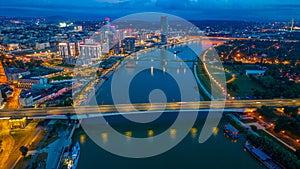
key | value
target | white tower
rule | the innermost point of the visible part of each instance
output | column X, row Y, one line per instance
column 292, row 26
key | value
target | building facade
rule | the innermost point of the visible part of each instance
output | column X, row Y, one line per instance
column 90, row 51
column 129, row 44
column 68, row 50
column 164, row 28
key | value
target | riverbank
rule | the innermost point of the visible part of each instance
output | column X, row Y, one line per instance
column 204, row 91
column 50, row 151
column 271, row 144
column 248, row 127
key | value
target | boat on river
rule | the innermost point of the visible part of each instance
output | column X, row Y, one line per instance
column 231, row 131
column 71, row 158
column 262, row 157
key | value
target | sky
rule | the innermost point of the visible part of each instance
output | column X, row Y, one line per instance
column 254, row 10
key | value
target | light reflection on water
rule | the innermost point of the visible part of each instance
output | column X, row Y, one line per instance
column 173, row 133
column 215, row 131
column 218, row 147
column 82, row 138
column 150, row 133
column 104, row 137
column 194, row 132
column 152, row 71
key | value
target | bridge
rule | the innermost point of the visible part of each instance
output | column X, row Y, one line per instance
column 215, row 38
column 108, row 110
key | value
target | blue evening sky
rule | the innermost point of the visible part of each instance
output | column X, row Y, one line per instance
column 264, row 10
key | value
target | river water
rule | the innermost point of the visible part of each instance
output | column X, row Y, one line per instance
column 218, row 152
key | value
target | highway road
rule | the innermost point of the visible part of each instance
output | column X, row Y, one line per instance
column 238, row 104
column 13, row 142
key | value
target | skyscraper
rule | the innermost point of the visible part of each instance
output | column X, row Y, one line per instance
column 64, row 49
column 107, row 23
column 292, row 26
column 68, row 50
column 164, row 28
column 90, row 49
column 129, row 44
column 74, row 49
column 164, row 25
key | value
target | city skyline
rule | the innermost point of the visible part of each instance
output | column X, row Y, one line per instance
column 272, row 10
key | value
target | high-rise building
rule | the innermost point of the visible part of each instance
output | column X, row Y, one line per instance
column 74, row 49
column 164, row 28
column 129, row 44
column 90, row 51
column 68, row 50
column 98, row 36
column 107, row 23
column 63, row 48
column 292, row 26
column 105, row 48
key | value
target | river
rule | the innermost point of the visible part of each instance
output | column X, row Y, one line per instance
column 218, row 152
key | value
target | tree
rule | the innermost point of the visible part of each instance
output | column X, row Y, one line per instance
column 267, row 81
column 232, row 87
column 24, row 150
column 254, row 128
column 267, row 112
column 279, row 153
column 258, row 93
column 281, row 124
column 290, row 110
column 298, row 153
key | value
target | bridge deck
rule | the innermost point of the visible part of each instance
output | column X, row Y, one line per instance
column 103, row 109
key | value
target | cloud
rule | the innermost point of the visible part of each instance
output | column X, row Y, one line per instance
column 185, row 8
